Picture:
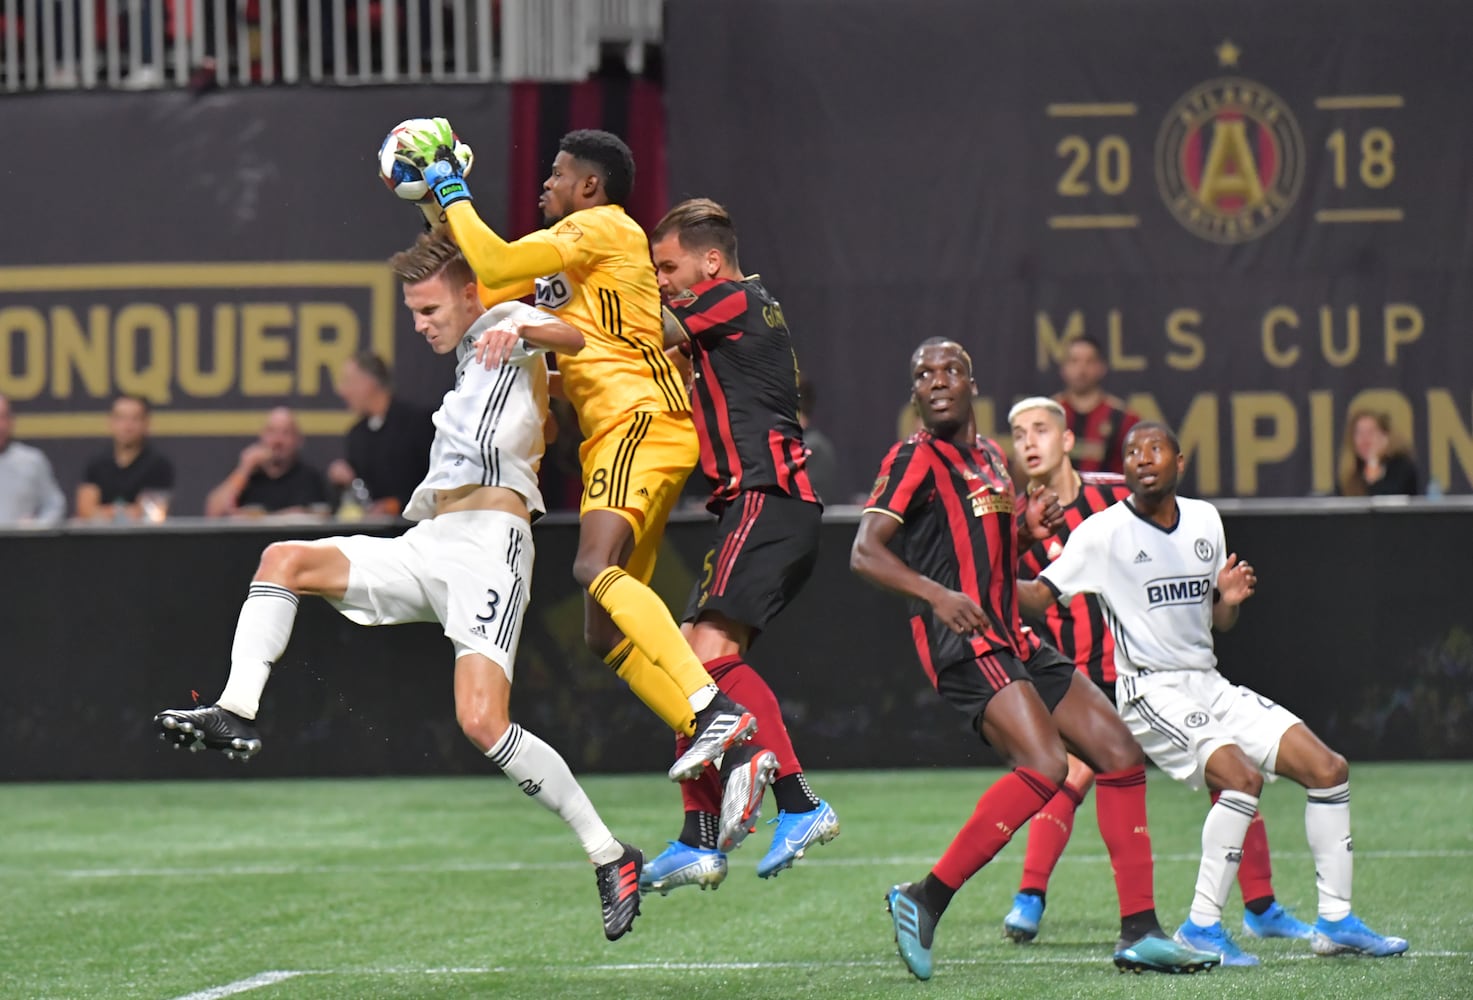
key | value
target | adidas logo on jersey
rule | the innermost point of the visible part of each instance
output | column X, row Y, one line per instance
column 643, row 492
column 478, row 630
column 1141, row 557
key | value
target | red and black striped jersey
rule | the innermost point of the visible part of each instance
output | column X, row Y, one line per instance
column 1079, row 629
column 1099, row 435
column 956, row 507
column 745, row 390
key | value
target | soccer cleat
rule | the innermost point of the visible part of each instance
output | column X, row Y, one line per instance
column 720, row 726
column 1021, row 923
column 1348, row 936
column 796, row 832
column 618, row 891
column 1155, row 952
column 1215, row 941
column 915, row 929
column 213, row 728
column 1275, row 922
column 680, row 864
column 745, row 776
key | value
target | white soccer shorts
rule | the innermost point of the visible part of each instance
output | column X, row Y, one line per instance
column 1181, row 717
column 471, row 571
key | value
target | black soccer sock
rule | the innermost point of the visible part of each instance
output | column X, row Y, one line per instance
column 1137, row 925
column 700, row 830
column 793, row 794
column 1258, row 907
column 935, row 893
column 1032, row 892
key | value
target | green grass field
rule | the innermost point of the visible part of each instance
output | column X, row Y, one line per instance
column 462, row 888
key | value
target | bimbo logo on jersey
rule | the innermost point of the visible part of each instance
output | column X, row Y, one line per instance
column 1178, row 590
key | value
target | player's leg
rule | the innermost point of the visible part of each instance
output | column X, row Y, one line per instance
column 1170, row 716
column 632, row 479
column 1092, row 729
column 1263, row 915
column 1048, row 834
column 483, row 709
column 1009, row 715
column 287, row 570
column 1303, row 757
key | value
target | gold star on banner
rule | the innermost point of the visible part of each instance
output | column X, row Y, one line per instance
column 1228, row 53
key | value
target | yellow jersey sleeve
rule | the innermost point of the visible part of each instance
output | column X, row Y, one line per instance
column 607, row 290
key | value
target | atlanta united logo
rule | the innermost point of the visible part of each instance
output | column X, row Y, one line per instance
column 1230, row 160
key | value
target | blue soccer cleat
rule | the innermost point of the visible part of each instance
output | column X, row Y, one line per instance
column 1155, row 952
column 796, row 832
column 1021, row 923
column 1275, row 922
column 1215, row 941
column 915, row 929
column 1349, row 936
column 680, row 864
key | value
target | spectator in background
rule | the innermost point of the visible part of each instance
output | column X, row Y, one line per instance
column 130, row 481
column 389, row 447
column 271, row 477
column 1374, row 461
column 28, row 490
column 1099, row 422
column 823, row 459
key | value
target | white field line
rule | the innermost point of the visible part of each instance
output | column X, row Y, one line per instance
column 534, row 866
column 241, row 985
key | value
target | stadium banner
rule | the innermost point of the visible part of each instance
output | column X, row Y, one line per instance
column 1380, row 671
column 1260, row 212
column 217, row 255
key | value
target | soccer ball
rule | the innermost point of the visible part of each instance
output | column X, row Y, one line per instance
column 402, row 171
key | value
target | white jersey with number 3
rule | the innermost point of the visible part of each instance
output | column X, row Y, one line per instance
column 489, row 428
column 1156, row 585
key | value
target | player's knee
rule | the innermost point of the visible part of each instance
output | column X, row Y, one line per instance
column 482, row 725
column 1332, row 770
column 587, row 567
column 1121, row 755
column 1051, row 763
column 283, row 563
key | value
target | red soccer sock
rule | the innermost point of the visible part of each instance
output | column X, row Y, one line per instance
column 1048, row 835
column 743, row 685
column 1003, row 808
column 702, row 794
column 1256, row 872
column 1120, row 804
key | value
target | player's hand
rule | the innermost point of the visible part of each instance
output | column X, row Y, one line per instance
column 959, row 613
column 1236, row 582
column 494, row 346
column 1043, row 514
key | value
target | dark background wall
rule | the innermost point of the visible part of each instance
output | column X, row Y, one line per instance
column 1358, row 626
column 1007, row 172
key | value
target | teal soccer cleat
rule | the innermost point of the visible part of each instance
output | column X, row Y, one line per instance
column 915, row 928
column 1155, row 952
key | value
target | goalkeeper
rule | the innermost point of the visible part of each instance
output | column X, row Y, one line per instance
column 591, row 268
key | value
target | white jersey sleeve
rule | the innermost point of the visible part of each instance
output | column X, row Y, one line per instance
column 1081, row 567
column 489, row 427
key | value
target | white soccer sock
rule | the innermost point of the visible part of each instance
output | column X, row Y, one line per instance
column 261, row 634
column 1327, row 825
column 703, row 697
column 1222, row 851
column 542, row 773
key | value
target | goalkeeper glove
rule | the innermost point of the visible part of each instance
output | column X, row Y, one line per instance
column 446, row 180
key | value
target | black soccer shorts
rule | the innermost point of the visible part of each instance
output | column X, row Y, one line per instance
column 969, row 686
column 765, row 549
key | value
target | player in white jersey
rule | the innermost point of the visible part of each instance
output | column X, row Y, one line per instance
column 466, row 564
column 1160, row 566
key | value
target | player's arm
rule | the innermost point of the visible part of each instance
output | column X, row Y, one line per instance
column 492, row 296
column 526, row 331
column 496, row 262
column 872, row 559
column 1078, row 570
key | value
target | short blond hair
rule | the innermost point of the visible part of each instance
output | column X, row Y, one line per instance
column 1038, row 403
column 431, row 256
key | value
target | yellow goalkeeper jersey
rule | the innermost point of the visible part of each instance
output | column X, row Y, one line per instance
column 607, row 290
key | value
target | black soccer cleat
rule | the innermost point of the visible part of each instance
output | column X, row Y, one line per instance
column 213, row 728
column 618, row 891
column 720, row 726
